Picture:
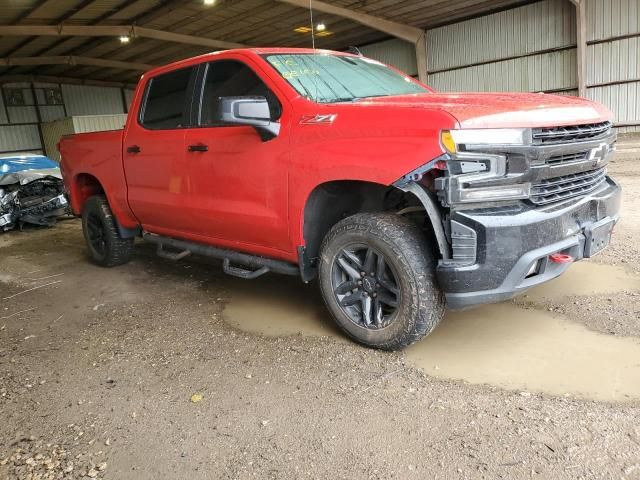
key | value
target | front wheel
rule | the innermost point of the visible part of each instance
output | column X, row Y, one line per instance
column 377, row 277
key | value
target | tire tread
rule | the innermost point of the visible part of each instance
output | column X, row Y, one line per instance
column 409, row 244
column 119, row 250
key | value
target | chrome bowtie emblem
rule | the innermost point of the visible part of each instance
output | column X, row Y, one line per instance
column 599, row 154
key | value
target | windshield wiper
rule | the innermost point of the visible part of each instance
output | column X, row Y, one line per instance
column 339, row 100
column 370, row 96
column 352, row 99
column 355, row 99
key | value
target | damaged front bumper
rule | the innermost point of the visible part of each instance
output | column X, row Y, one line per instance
column 32, row 196
column 507, row 249
column 504, row 215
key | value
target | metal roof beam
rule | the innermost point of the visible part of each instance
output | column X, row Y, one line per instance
column 60, row 19
column 18, row 78
column 112, row 31
column 399, row 30
column 417, row 36
column 73, row 60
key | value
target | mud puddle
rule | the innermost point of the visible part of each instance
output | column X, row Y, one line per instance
column 587, row 278
column 279, row 307
column 503, row 345
column 530, row 350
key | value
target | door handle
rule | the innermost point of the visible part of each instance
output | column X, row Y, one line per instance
column 133, row 149
column 198, row 148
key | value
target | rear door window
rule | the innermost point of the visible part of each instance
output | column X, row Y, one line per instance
column 167, row 101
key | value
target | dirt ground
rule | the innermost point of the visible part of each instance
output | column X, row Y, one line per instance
column 159, row 370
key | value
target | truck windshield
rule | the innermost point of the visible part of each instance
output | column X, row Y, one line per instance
column 326, row 78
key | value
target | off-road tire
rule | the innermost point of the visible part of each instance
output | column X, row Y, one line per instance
column 113, row 249
column 407, row 251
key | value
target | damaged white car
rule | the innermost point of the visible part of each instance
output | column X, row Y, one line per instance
column 31, row 192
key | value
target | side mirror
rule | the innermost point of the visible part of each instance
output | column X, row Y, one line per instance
column 252, row 111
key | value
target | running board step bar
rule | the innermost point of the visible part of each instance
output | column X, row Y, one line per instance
column 256, row 266
column 242, row 272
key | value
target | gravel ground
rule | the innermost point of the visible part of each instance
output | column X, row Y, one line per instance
column 133, row 373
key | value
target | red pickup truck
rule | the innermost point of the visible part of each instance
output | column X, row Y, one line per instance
column 332, row 166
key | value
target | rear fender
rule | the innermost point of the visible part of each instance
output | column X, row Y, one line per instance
column 86, row 186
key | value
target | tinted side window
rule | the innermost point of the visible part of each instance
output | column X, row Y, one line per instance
column 166, row 102
column 230, row 78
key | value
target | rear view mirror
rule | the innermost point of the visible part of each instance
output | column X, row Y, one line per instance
column 252, row 111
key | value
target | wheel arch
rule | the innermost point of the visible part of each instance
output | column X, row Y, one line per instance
column 331, row 201
column 83, row 187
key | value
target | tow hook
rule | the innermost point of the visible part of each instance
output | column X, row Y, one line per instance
column 561, row 258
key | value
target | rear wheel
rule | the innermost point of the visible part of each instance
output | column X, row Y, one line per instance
column 377, row 277
column 106, row 247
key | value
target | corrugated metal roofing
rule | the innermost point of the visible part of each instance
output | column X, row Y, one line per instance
column 252, row 22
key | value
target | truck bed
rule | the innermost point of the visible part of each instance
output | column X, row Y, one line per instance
column 85, row 157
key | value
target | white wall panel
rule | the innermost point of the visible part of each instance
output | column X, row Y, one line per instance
column 26, row 113
column 532, row 28
column 3, row 111
column 397, row 53
column 623, row 130
column 548, row 71
column 622, row 100
column 128, row 95
column 614, row 61
column 49, row 113
column 87, row 100
column 612, row 18
column 51, row 134
column 98, row 123
column 22, row 114
column 53, row 131
column 19, row 137
column 567, row 93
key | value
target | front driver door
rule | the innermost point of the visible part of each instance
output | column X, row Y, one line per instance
column 237, row 182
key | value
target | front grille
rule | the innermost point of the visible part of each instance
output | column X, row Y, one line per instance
column 569, row 158
column 567, row 186
column 569, row 134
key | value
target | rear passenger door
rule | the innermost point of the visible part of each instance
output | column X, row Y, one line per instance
column 238, row 182
column 154, row 151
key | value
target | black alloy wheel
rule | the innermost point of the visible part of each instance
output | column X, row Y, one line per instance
column 365, row 286
column 106, row 247
column 96, row 236
column 377, row 275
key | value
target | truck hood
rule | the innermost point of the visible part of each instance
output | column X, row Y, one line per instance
column 503, row 110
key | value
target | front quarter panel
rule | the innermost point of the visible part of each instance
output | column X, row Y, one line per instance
column 366, row 142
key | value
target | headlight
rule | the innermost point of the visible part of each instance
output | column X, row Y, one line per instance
column 503, row 192
column 452, row 139
column 468, row 175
